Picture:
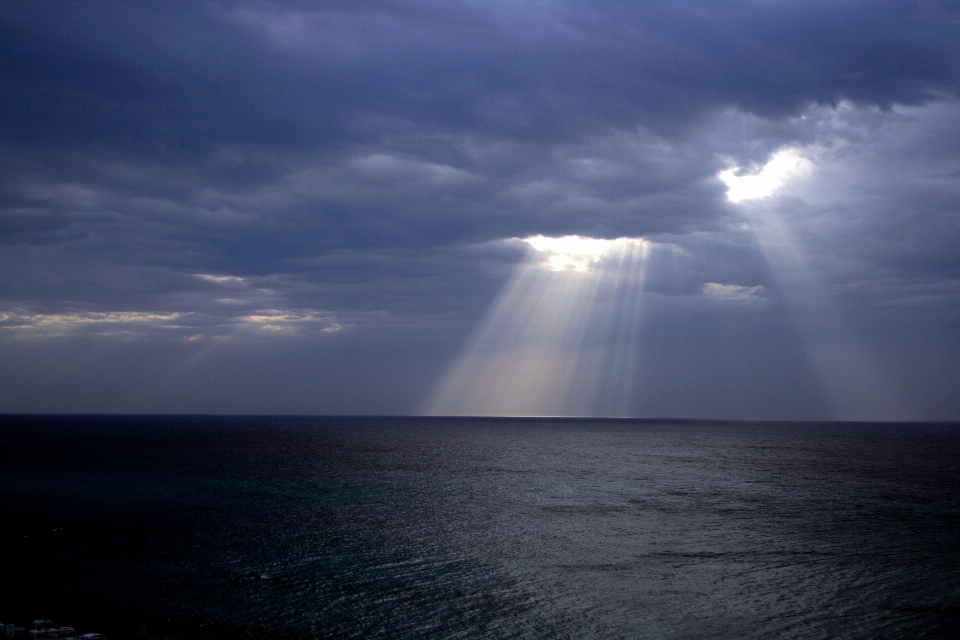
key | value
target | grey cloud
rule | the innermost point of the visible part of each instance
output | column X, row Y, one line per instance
column 176, row 76
column 360, row 164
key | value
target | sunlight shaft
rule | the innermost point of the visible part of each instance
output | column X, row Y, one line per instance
column 560, row 338
column 848, row 372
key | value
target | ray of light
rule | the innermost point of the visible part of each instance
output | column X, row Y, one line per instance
column 614, row 355
column 559, row 340
column 848, row 372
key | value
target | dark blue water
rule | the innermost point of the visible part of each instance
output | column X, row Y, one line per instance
column 416, row 528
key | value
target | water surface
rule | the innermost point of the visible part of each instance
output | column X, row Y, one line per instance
column 453, row 528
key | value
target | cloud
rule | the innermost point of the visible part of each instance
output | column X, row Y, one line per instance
column 383, row 166
column 181, row 77
column 225, row 280
column 142, row 324
column 766, row 180
column 732, row 291
column 287, row 321
column 104, row 323
column 360, row 173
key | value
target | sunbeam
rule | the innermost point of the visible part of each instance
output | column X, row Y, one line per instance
column 561, row 337
column 847, row 371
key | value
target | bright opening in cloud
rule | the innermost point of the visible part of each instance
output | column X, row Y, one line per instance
column 784, row 165
column 577, row 253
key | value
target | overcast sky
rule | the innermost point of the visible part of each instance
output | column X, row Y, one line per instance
column 360, row 207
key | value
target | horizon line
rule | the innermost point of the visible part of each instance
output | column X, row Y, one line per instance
column 432, row 418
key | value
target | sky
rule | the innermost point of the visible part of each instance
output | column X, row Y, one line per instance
column 743, row 209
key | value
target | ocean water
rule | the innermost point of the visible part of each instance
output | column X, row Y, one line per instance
column 150, row 527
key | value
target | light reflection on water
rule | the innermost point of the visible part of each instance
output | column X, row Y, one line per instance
column 475, row 529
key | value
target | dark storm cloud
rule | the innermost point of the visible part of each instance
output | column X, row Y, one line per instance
column 347, row 173
column 233, row 95
column 170, row 76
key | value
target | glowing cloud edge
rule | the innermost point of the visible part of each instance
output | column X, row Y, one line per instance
column 785, row 164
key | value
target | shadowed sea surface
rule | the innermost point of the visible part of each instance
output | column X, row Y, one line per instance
column 150, row 527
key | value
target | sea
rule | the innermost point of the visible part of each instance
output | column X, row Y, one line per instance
column 180, row 527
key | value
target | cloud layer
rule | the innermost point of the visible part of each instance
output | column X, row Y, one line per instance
column 201, row 187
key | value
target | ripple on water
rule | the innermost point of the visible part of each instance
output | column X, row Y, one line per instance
column 498, row 529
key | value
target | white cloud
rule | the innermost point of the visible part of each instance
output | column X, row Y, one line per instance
column 782, row 166
column 193, row 325
column 732, row 291
column 275, row 320
column 219, row 279
column 106, row 322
